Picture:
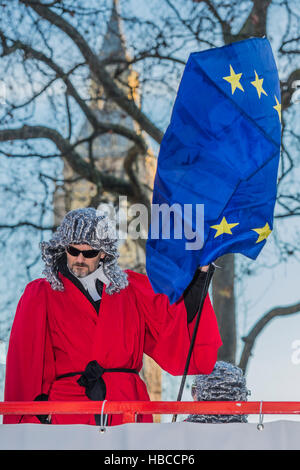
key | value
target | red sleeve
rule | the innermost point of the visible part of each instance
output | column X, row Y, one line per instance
column 168, row 335
column 30, row 363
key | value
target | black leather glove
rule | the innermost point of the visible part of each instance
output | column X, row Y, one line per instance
column 192, row 294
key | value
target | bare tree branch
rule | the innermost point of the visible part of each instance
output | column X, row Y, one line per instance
column 80, row 166
column 250, row 339
column 27, row 224
column 228, row 37
column 256, row 23
column 71, row 90
column 288, row 88
column 110, row 87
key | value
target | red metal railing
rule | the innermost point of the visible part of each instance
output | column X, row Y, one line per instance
column 130, row 409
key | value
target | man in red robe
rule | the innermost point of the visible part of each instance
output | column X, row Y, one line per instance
column 80, row 332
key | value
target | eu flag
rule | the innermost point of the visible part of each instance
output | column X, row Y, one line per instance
column 219, row 156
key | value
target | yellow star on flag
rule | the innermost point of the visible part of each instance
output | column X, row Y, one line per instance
column 278, row 107
column 263, row 232
column 257, row 83
column 234, row 80
column 223, row 227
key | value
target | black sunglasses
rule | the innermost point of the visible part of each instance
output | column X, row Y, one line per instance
column 86, row 253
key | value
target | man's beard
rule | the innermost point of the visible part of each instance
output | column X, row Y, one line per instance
column 81, row 270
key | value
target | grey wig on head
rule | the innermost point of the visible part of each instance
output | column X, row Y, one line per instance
column 84, row 226
column 226, row 383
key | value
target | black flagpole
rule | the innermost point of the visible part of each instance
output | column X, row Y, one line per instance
column 208, row 278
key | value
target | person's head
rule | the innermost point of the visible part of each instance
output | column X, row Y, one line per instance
column 82, row 259
column 226, row 383
column 85, row 237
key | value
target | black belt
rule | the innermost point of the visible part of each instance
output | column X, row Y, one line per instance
column 91, row 379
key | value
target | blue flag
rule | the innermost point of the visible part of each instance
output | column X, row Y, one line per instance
column 216, row 179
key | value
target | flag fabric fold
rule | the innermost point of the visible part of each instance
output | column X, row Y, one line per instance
column 220, row 151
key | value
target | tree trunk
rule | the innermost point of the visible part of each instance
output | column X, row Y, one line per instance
column 224, row 306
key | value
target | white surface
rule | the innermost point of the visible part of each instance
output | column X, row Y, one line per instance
column 279, row 435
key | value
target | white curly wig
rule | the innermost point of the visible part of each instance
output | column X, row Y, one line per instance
column 84, row 226
column 226, row 383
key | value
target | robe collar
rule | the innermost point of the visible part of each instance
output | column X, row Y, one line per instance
column 63, row 269
column 91, row 282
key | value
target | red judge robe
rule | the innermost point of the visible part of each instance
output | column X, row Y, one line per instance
column 55, row 333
